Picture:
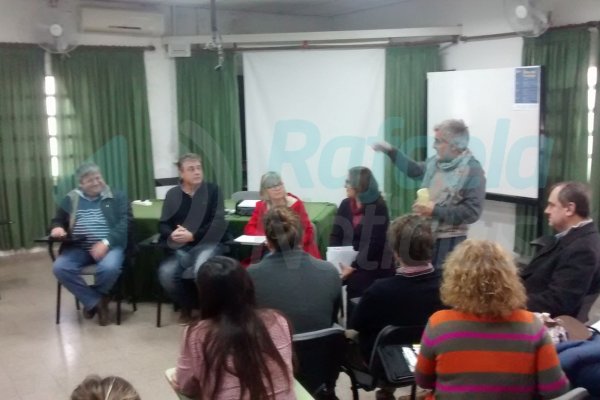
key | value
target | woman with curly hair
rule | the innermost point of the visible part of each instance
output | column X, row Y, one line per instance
column 235, row 351
column 487, row 346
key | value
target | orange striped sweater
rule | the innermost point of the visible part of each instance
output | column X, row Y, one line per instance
column 464, row 356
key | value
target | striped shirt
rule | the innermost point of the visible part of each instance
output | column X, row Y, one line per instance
column 90, row 222
column 464, row 356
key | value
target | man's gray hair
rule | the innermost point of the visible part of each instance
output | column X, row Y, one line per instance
column 456, row 131
column 85, row 169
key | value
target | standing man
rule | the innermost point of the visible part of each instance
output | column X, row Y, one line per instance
column 98, row 218
column 567, row 270
column 192, row 227
column 456, row 184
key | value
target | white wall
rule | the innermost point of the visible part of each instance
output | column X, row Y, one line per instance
column 196, row 21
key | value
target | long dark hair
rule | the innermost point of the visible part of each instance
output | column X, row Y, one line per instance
column 226, row 295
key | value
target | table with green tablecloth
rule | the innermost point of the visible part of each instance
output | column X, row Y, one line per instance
column 146, row 224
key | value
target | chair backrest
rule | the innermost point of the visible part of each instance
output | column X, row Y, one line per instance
column 586, row 306
column 319, row 356
column 245, row 195
column 162, row 186
column 388, row 362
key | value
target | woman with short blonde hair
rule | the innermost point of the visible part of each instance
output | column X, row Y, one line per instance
column 273, row 194
column 487, row 346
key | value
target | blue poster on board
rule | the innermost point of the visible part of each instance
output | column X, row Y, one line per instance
column 527, row 85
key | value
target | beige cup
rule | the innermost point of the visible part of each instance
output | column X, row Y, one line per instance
column 423, row 196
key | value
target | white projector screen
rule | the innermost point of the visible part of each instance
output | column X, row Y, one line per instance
column 501, row 109
column 311, row 115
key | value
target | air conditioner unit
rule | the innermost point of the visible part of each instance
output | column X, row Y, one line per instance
column 132, row 22
column 175, row 50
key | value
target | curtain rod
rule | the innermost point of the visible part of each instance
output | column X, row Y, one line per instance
column 26, row 45
column 590, row 24
column 333, row 46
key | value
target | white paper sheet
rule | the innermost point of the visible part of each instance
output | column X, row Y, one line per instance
column 251, row 240
column 341, row 254
column 248, row 203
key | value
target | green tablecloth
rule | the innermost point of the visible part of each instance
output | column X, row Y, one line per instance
column 146, row 225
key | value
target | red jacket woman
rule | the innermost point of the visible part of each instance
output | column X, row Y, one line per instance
column 273, row 193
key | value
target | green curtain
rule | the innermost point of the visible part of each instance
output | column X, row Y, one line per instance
column 102, row 116
column 209, row 117
column 564, row 55
column 405, row 127
column 25, row 183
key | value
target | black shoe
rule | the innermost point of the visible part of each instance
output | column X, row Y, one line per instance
column 89, row 314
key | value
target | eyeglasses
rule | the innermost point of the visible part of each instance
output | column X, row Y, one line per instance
column 277, row 186
column 437, row 141
column 348, row 184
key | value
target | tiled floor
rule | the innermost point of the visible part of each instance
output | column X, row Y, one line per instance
column 41, row 360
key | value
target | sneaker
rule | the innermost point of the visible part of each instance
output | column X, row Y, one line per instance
column 102, row 309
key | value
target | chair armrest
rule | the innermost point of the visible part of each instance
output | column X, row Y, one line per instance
column 51, row 240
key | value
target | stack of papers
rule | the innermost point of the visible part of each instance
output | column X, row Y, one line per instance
column 342, row 254
column 248, row 203
column 251, row 240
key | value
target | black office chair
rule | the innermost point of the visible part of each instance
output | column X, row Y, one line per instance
column 319, row 356
column 124, row 284
column 388, row 365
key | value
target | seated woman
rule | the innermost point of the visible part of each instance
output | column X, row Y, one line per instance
column 487, row 346
column 273, row 194
column 305, row 289
column 235, row 351
column 362, row 221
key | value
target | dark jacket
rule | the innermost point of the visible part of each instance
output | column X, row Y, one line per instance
column 203, row 214
column 115, row 208
column 374, row 259
column 399, row 301
column 305, row 289
column 563, row 272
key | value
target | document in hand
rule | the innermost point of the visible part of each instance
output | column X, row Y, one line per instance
column 341, row 254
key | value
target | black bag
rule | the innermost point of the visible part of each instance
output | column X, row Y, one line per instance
column 394, row 364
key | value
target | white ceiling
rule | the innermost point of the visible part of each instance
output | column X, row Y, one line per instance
column 315, row 8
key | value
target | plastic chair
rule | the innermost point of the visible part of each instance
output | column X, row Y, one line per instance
column 319, row 355
column 388, row 366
